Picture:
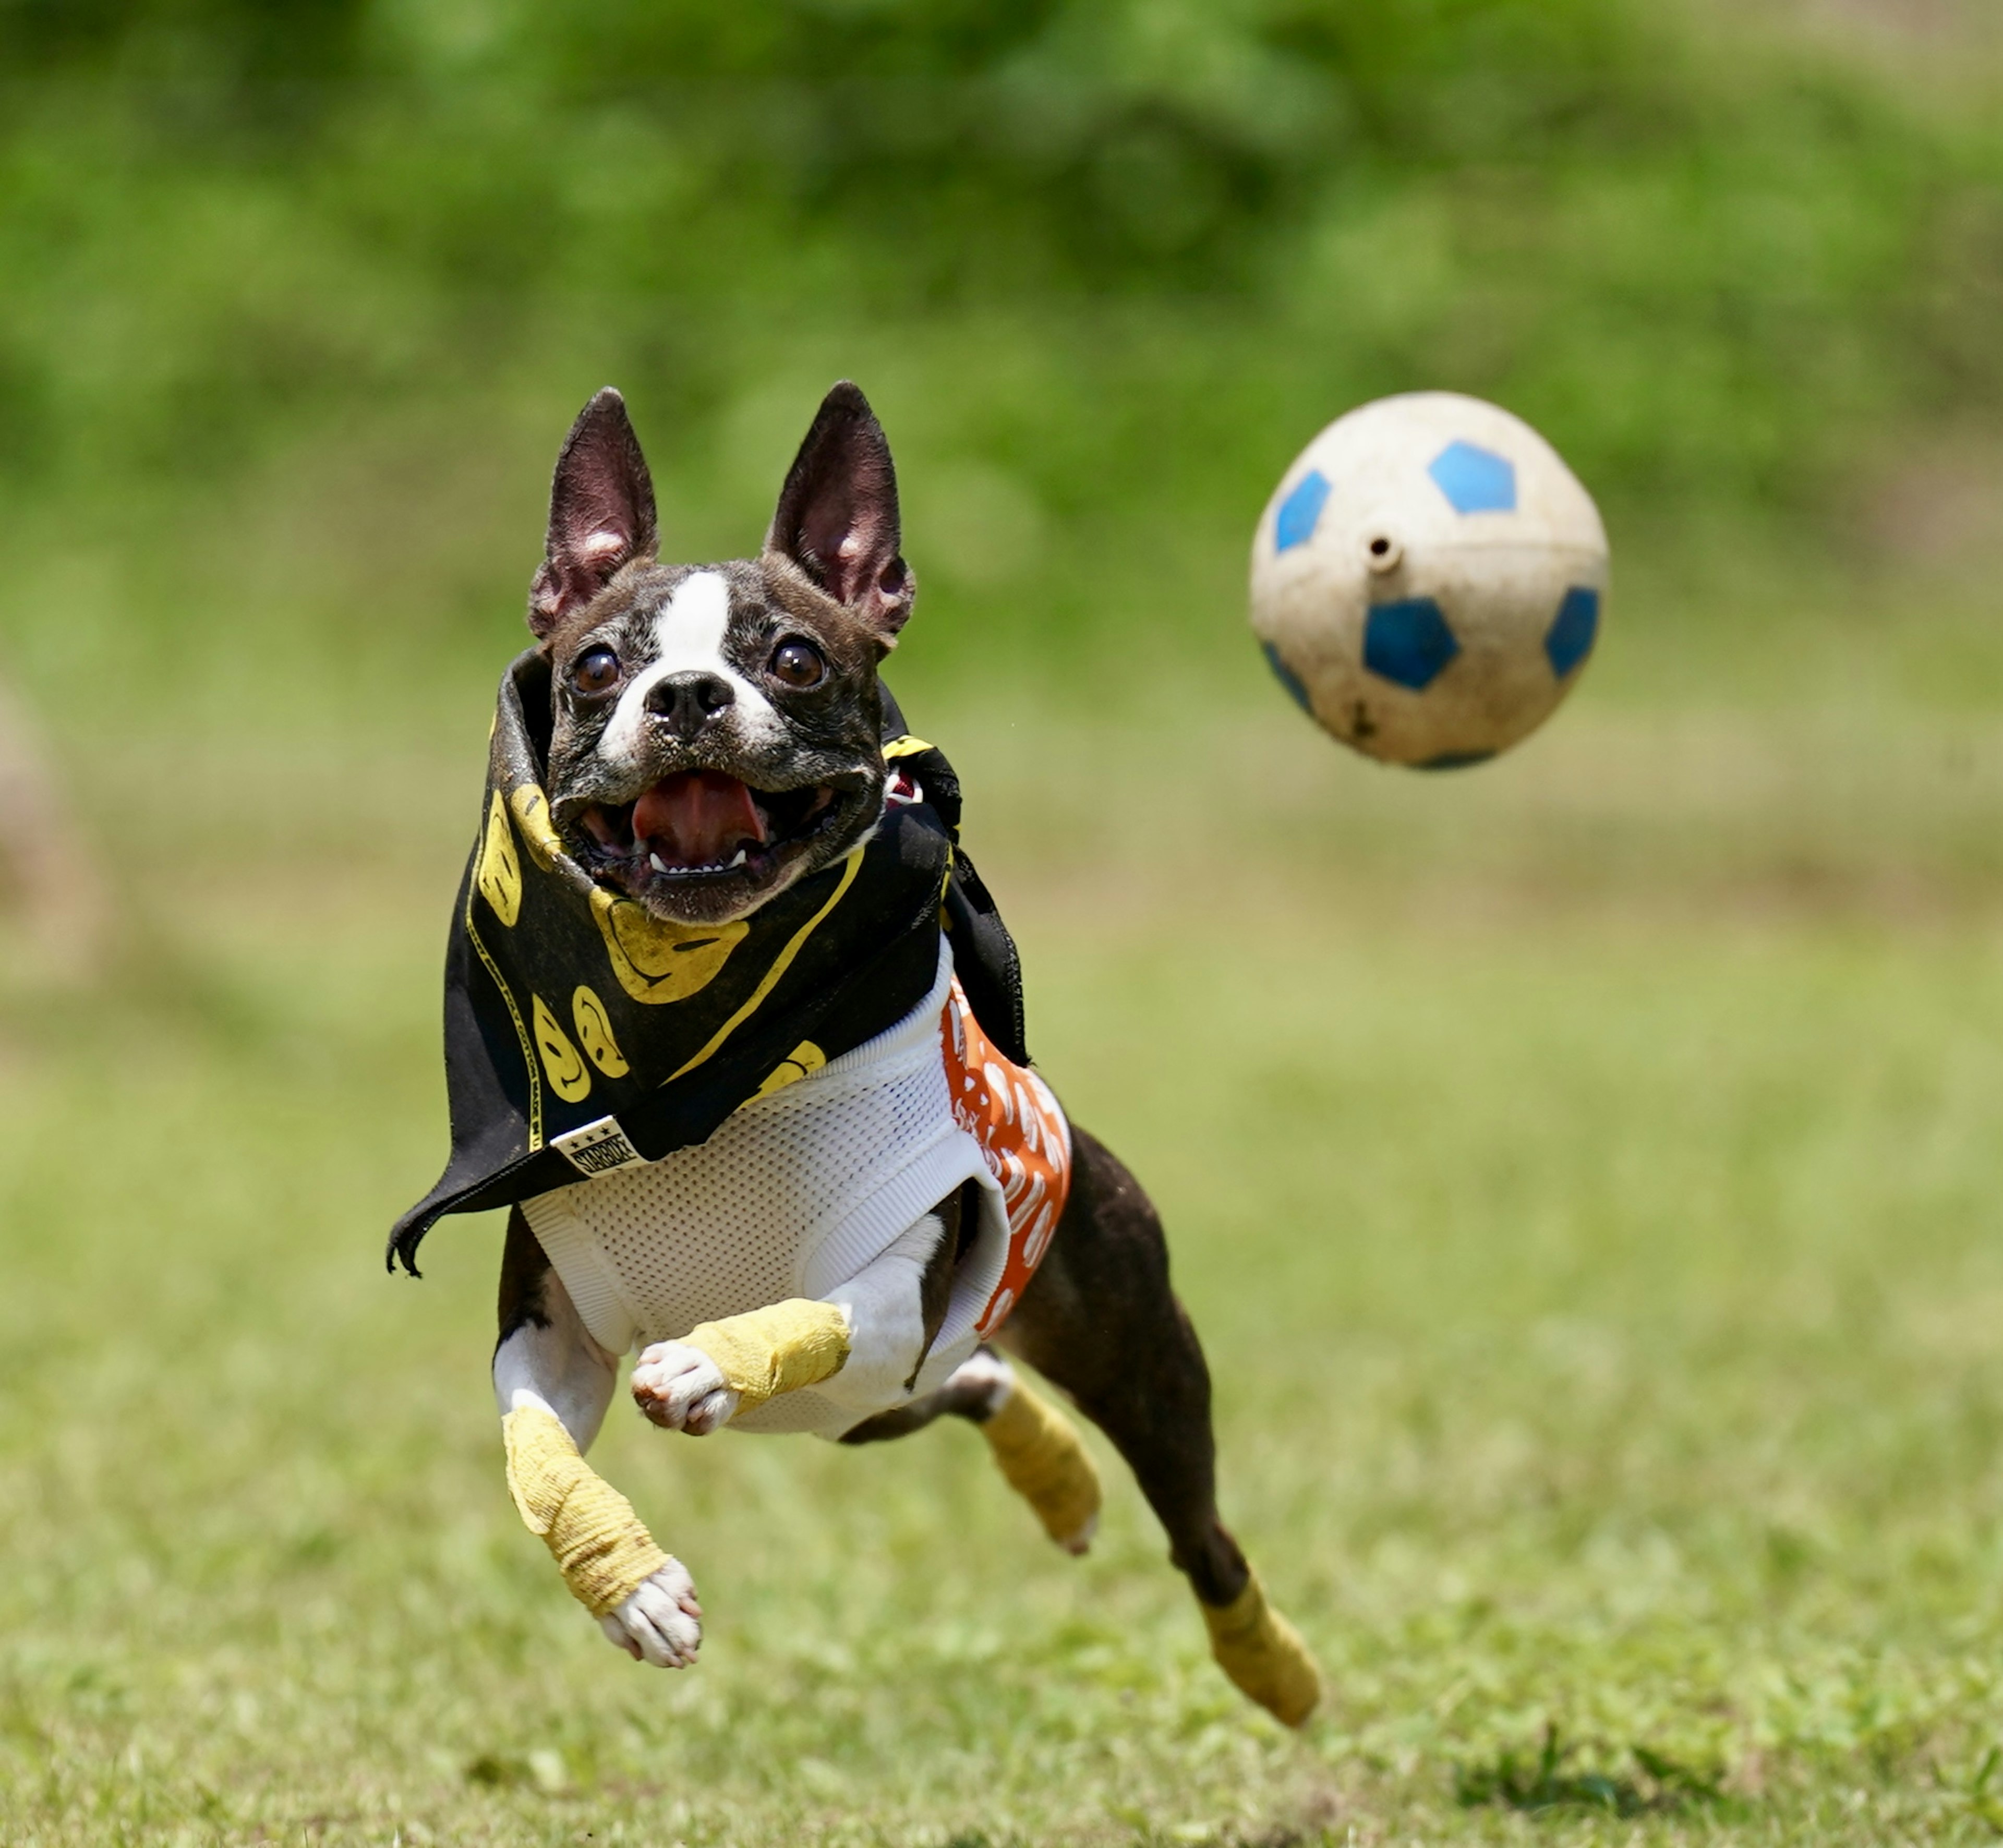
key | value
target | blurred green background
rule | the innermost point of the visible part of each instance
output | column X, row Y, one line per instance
column 1587, row 1172
column 295, row 296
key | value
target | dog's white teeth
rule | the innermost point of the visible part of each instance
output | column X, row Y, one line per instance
column 661, row 866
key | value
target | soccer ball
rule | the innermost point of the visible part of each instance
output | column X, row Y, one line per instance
column 1429, row 579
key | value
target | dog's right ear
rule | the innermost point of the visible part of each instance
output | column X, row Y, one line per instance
column 601, row 512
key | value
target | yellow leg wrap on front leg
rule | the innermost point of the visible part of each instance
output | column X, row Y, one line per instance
column 1045, row 1463
column 776, row 1350
column 1263, row 1653
column 599, row 1545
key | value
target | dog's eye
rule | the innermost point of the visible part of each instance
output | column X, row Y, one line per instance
column 596, row 671
column 798, row 665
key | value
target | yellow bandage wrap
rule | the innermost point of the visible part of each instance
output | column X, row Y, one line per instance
column 590, row 1529
column 1263, row 1653
column 776, row 1349
column 1046, row 1463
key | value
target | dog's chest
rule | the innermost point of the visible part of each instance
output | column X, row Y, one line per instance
column 792, row 1195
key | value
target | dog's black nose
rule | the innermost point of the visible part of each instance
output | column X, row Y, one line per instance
column 686, row 703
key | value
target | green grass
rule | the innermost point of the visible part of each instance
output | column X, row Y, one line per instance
column 1585, row 1172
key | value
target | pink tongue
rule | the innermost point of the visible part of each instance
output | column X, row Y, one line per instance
column 698, row 818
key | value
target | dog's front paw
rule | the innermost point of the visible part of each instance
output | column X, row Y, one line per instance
column 660, row 1622
column 681, row 1389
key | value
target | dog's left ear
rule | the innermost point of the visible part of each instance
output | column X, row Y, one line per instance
column 601, row 512
column 837, row 514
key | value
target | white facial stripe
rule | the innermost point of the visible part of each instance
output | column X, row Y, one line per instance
column 688, row 638
column 689, row 632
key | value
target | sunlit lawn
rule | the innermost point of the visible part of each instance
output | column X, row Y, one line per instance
column 1585, row 1173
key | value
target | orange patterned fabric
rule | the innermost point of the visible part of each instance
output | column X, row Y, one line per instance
column 1024, row 1139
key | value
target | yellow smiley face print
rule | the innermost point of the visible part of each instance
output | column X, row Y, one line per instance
column 594, row 1034
column 804, row 1058
column 531, row 815
column 569, row 1077
column 499, row 877
column 656, row 960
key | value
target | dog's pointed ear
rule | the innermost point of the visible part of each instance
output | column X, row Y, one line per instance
column 837, row 514
column 601, row 512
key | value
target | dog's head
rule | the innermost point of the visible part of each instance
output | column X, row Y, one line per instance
column 714, row 731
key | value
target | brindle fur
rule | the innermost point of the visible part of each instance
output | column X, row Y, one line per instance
column 523, row 1267
column 830, row 573
column 1099, row 1319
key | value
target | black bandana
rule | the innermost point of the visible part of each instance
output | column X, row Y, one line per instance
column 583, row 1034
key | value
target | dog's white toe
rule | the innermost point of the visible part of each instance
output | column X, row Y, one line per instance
column 681, row 1389
column 660, row 1622
column 711, row 1413
column 1079, row 1543
column 985, row 1373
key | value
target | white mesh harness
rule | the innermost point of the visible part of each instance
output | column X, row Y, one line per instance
column 795, row 1194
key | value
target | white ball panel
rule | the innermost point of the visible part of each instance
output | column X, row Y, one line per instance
column 1476, row 677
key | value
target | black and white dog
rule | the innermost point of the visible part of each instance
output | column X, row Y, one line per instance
column 854, row 1249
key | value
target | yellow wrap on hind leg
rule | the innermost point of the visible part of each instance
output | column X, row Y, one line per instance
column 1046, row 1462
column 604, row 1553
column 768, row 1351
column 1264, row 1654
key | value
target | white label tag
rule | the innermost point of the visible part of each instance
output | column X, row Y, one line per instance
column 599, row 1147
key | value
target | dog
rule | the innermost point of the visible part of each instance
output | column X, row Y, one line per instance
column 702, row 781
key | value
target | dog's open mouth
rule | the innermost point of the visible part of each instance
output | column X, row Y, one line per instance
column 701, row 824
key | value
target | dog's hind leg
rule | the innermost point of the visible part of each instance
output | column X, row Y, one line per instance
column 972, row 1391
column 1100, row 1320
column 1037, row 1448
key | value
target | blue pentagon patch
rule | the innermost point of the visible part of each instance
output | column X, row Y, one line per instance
column 1288, row 678
column 1475, row 481
column 1569, row 639
column 1294, row 524
column 1408, row 642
